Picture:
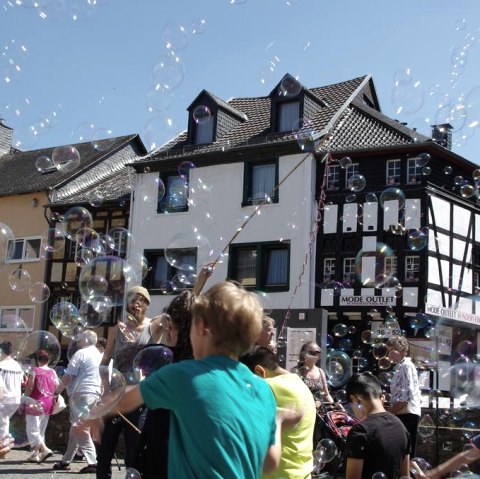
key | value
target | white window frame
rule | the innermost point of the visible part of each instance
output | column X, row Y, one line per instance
column 350, row 170
column 412, row 268
column 391, row 265
column 329, row 265
column 23, row 259
column 17, row 312
column 414, row 172
column 393, row 172
column 349, row 269
column 333, row 179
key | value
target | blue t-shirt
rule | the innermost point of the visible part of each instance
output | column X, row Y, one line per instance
column 223, row 417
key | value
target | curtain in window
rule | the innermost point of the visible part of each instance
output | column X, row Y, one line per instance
column 277, row 266
column 204, row 132
column 289, row 115
column 263, row 181
column 159, row 280
column 246, row 267
column 177, row 192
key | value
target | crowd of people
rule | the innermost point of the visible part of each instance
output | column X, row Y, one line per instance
column 224, row 408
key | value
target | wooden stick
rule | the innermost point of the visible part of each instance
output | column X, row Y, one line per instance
column 129, row 422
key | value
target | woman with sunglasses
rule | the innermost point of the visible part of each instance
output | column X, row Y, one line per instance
column 313, row 376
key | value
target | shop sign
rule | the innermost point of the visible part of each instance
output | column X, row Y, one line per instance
column 452, row 314
column 367, row 301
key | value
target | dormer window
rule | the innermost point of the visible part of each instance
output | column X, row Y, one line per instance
column 204, row 125
column 288, row 115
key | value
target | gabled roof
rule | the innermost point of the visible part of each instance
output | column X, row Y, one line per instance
column 18, row 172
column 221, row 104
column 349, row 111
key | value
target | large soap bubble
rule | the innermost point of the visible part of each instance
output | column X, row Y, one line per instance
column 34, row 342
column 112, row 389
column 76, row 219
column 107, row 277
column 65, row 316
column 150, row 359
column 338, row 368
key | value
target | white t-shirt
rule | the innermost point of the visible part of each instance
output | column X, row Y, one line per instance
column 11, row 375
column 84, row 367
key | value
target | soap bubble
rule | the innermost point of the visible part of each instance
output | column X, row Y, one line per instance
column 392, row 194
column 306, row 135
column 53, row 239
column 325, row 451
column 367, row 337
column 180, row 252
column 35, row 341
column 201, row 115
column 118, row 277
column 184, row 169
column 370, row 267
column 75, row 219
column 338, row 368
column 19, row 279
column 64, row 316
column 448, row 170
column 150, row 359
column 87, row 406
column 356, row 183
column 422, row 159
column 44, row 163
column 265, row 301
column 132, row 473
column 344, row 162
column 39, row 292
column 340, row 330
column 289, row 86
column 379, row 350
column 6, row 242
column 18, row 330
column 66, row 158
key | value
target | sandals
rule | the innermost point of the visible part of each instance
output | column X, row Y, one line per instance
column 91, row 468
column 61, row 466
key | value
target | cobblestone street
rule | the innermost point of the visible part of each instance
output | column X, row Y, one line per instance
column 15, row 466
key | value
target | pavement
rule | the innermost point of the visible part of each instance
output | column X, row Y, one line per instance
column 14, row 466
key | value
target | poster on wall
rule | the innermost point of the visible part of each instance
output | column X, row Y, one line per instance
column 296, row 337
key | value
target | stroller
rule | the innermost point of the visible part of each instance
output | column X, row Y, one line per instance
column 335, row 425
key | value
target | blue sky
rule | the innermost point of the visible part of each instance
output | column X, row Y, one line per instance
column 72, row 64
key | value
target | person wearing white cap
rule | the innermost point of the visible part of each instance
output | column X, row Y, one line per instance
column 125, row 340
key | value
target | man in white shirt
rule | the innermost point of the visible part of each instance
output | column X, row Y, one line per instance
column 11, row 375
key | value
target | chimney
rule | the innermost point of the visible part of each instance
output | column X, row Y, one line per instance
column 442, row 135
column 6, row 134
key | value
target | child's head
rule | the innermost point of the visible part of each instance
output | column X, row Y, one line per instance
column 260, row 360
column 180, row 314
column 43, row 357
column 230, row 315
column 6, row 348
column 364, row 385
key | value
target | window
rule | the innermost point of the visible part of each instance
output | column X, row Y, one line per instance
column 262, row 266
column 72, row 249
column 390, row 266
column 333, row 179
column 393, row 172
column 16, row 318
column 412, row 268
column 349, row 270
column 289, row 114
column 414, row 171
column 328, row 270
column 174, row 197
column 163, row 277
column 23, row 249
column 120, row 240
column 476, row 282
column 260, row 180
column 204, row 130
column 350, row 170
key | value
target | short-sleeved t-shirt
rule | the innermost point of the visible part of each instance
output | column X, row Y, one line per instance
column 382, row 441
column 297, row 461
column 223, row 417
column 84, row 366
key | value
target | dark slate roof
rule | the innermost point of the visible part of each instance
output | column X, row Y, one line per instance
column 349, row 111
column 18, row 173
column 221, row 103
column 362, row 127
column 256, row 130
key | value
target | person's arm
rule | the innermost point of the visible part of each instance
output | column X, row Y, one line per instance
column 354, row 468
column 327, row 397
column 401, row 394
column 66, row 380
column 159, row 330
column 405, row 466
column 274, row 452
column 107, row 354
column 465, row 457
column 29, row 386
column 131, row 400
column 6, row 443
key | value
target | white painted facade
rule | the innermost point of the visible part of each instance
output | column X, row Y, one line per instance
column 215, row 211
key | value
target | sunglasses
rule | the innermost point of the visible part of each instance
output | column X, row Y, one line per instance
column 314, row 353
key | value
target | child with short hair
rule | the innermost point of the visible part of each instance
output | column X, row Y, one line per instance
column 223, row 421
column 379, row 442
column 290, row 392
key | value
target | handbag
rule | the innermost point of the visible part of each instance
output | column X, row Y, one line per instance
column 59, row 405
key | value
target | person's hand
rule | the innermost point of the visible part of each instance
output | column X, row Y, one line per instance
column 290, row 416
column 6, row 443
column 205, row 272
column 96, row 429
